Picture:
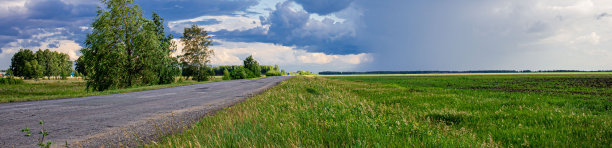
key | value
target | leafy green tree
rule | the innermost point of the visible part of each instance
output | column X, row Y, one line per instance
column 253, row 66
column 168, row 68
column 43, row 60
column 33, row 70
column 196, row 51
column 18, row 62
column 80, row 66
column 126, row 49
column 283, row 72
column 63, row 64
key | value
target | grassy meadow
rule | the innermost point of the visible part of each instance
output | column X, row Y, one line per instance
column 416, row 111
column 33, row 90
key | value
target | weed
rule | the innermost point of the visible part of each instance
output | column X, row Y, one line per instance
column 43, row 133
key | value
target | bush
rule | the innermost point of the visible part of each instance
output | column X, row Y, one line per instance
column 226, row 75
column 204, row 74
column 10, row 81
column 273, row 73
column 239, row 73
column 301, row 72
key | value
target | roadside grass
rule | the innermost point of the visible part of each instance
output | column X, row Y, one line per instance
column 33, row 90
column 392, row 111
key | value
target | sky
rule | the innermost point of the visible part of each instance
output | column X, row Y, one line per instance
column 349, row 35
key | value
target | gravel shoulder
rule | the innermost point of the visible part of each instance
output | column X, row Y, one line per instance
column 122, row 119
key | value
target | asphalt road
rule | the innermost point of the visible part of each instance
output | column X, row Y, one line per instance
column 125, row 119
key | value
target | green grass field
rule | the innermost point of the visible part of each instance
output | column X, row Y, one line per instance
column 416, row 111
column 33, row 90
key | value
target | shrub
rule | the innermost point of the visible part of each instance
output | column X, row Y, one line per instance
column 273, row 73
column 226, row 75
column 301, row 72
column 204, row 74
column 10, row 81
column 239, row 73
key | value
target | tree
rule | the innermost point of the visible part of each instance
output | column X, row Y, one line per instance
column 283, row 72
column 43, row 60
column 276, row 67
column 64, row 65
column 80, row 66
column 196, row 50
column 253, row 66
column 168, row 68
column 18, row 62
column 125, row 49
column 33, row 70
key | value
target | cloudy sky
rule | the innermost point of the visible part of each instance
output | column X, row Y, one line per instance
column 350, row 35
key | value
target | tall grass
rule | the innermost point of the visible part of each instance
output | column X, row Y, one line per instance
column 406, row 112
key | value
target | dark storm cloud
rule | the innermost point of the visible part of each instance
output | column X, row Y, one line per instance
column 184, row 9
column 58, row 10
column 324, row 7
column 291, row 27
column 40, row 16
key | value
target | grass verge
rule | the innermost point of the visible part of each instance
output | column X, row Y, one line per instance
column 33, row 90
column 414, row 112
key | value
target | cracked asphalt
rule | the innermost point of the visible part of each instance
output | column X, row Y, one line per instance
column 122, row 119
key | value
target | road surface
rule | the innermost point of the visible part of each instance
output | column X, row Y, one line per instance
column 126, row 118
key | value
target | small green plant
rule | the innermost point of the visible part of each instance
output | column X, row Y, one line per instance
column 43, row 134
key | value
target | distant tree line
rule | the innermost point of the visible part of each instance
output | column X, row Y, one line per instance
column 264, row 69
column 39, row 64
column 434, row 72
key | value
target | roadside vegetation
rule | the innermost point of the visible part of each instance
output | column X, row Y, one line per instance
column 425, row 111
column 10, row 81
column 32, row 90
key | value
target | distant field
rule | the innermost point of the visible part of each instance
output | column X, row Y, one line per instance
column 475, row 74
column 33, row 90
column 433, row 111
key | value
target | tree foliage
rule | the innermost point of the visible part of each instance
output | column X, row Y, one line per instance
column 196, row 53
column 253, row 66
column 18, row 62
column 30, row 65
column 226, row 75
column 126, row 49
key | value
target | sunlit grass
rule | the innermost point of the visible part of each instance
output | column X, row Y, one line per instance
column 33, row 90
column 457, row 111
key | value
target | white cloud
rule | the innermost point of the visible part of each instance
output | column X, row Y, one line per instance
column 12, row 7
column 225, row 22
